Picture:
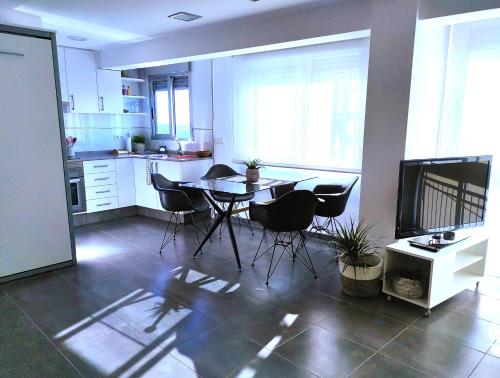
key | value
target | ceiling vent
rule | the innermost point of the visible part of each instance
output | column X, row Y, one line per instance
column 184, row 16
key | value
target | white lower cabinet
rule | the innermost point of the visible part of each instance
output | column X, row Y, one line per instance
column 125, row 181
column 145, row 193
column 96, row 192
column 101, row 204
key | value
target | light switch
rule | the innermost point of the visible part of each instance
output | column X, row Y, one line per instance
column 219, row 140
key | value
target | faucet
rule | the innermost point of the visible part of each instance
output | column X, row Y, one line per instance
column 179, row 150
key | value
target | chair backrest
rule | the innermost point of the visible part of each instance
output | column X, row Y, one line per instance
column 171, row 198
column 219, row 170
column 294, row 211
column 335, row 197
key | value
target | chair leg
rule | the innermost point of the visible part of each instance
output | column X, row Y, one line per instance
column 270, row 264
column 307, row 263
column 173, row 234
column 196, row 230
column 260, row 244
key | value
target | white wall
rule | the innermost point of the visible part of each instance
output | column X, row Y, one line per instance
column 443, row 8
column 387, row 99
column 260, row 30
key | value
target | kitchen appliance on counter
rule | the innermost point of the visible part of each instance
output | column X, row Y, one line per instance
column 77, row 186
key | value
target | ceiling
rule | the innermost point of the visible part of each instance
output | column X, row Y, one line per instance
column 109, row 22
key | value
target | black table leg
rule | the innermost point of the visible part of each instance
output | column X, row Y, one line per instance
column 214, row 226
column 231, row 232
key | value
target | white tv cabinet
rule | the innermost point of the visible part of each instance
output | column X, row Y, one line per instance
column 448, row 272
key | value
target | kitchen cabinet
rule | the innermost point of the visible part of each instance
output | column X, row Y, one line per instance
column 81, row 80
column 145, row 193
column 101, row 190
column 126, row 182
column 109, row 91
column 61, row 62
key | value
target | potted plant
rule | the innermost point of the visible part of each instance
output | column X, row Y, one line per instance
column 138, row 143
column 360, row 263
column 253, row 166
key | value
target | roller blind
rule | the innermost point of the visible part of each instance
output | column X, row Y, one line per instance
column 302, row 107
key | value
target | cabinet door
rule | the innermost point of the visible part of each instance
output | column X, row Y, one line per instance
column 125, row 182
column 81, row 77
column 145, row 194
column 61, row 62
column 168, row 169
column 109, row 87
column 193, row 170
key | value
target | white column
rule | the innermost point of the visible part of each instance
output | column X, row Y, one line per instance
column 387, row 100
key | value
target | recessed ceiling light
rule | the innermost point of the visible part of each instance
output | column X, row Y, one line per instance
column 184, row 16
column 76, row 38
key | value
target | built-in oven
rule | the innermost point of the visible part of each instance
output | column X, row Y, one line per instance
column 77, row 186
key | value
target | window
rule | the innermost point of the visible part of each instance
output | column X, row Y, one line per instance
column 170, row 107
column 302, row 107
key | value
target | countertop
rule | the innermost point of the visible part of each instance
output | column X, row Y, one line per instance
column 102, row 155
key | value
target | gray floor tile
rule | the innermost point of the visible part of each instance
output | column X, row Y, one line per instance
column 324, row 353
column 488, row 367
column 217, row 352
column 309, row 304
column 472, row 302
column 431, row 352
column 363, row 327
column 268, row 325
column 396, row 309
column 495, row 349
column 382, row 366
column 271, row 366
column 465, row 328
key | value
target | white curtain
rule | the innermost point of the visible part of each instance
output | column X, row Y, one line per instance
column 302, row 107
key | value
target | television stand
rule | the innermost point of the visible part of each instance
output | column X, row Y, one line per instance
column 445, row 273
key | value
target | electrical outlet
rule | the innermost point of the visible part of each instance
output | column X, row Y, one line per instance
column 219, row 140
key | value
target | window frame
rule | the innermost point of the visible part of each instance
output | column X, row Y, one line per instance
column 169, row 79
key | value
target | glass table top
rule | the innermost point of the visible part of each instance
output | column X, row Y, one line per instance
column 238, row 185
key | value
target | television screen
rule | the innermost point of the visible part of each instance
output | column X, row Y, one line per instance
column 437, row 195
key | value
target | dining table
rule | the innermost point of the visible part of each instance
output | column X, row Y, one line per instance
column 238, row 185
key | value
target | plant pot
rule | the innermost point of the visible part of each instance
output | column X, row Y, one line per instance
column 139, row 147
column 362, row 282
column 252, row 175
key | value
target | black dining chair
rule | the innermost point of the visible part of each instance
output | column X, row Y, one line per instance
column 287, row 218
column 220, row 171
column 335, row 198
column 178, row 201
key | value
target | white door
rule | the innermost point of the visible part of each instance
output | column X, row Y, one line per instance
column 109, row 89
column 126, row 182
column 82, row 82
column 61, row 62
column 145, row 193
column 35, row 226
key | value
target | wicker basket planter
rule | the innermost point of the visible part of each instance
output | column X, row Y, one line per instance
column 407, row 286
column 362, row 282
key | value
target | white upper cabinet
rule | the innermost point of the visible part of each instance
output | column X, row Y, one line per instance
column 81, row 79
column 109, row 89
column 61, row 62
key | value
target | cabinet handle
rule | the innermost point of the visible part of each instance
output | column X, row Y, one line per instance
column 101, row 179
column 103, row 204
column 10, row 53
column 102, row 104
column 103, row 191
column 72, row 102
column 100, row 166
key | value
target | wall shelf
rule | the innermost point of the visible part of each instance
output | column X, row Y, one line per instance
column 132, row 80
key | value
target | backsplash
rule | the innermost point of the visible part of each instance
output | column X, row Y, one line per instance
column 97, row 132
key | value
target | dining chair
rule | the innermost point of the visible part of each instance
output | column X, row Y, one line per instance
column 219, row 171
column 287, row 218
column 177, row 202
column 335, row 197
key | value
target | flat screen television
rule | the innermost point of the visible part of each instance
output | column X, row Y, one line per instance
column 439, row 195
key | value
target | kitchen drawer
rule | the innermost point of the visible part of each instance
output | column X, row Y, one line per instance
column 105, row 191
column 98, row 166
column 100, row 179
column 102, row 204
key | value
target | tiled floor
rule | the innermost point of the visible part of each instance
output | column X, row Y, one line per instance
column 127, row 311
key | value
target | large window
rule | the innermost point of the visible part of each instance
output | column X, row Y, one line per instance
column 170, row 107
column 302, row 107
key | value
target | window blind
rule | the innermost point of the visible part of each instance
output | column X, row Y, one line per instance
column 302, row 107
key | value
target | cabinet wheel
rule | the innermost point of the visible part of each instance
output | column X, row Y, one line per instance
column 477, row 283
column 427, row 313
column 389, row 298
